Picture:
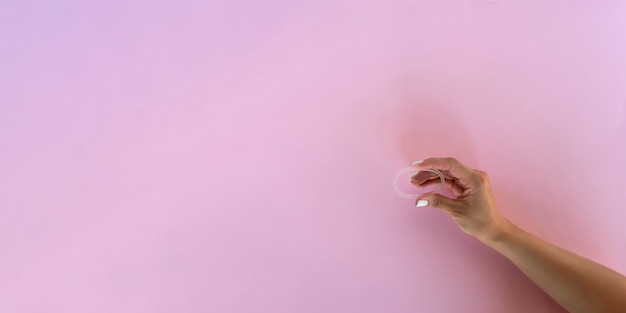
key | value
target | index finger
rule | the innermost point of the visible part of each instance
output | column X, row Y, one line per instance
column 457, row 169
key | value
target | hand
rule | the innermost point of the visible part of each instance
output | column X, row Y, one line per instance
column 474, row 207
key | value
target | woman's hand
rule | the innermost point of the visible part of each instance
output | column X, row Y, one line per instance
column 578, row 284
column 474, row 209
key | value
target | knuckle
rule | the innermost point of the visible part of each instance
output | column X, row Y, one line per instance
column 455, row 167
column 482, row 177
column 435, row 202
column 458, row 213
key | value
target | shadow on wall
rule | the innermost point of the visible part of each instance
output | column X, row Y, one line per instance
column 427, row 126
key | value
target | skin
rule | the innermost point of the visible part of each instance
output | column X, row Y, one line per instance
column 576, row 283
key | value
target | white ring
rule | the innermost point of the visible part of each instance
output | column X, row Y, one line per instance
column 414, row 169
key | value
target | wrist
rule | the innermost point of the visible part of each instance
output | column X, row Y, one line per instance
column 502, row 229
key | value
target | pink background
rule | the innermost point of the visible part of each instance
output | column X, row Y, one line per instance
column 237, row 156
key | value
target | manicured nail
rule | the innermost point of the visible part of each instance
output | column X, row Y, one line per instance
column 418, row 162
column 421, row 203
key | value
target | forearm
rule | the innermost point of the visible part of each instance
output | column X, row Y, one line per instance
column 578, row 284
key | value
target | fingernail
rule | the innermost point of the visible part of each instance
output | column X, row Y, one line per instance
column 421, row 203
column 418, row 162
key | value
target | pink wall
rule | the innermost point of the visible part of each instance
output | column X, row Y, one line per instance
column 237, row 156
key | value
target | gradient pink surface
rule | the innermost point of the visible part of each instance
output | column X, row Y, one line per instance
column 238, row 156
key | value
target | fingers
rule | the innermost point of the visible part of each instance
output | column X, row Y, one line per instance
column 437, row 201
column 456, row 188
column 458, row 170
column 426, row 178
column 423, row 176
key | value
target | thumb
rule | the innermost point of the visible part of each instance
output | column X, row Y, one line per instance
column 436, row 201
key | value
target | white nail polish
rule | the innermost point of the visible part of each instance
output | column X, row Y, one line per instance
column 418, row 162
column 421, row 203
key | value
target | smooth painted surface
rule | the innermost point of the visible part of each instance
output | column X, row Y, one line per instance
column 237, row 156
